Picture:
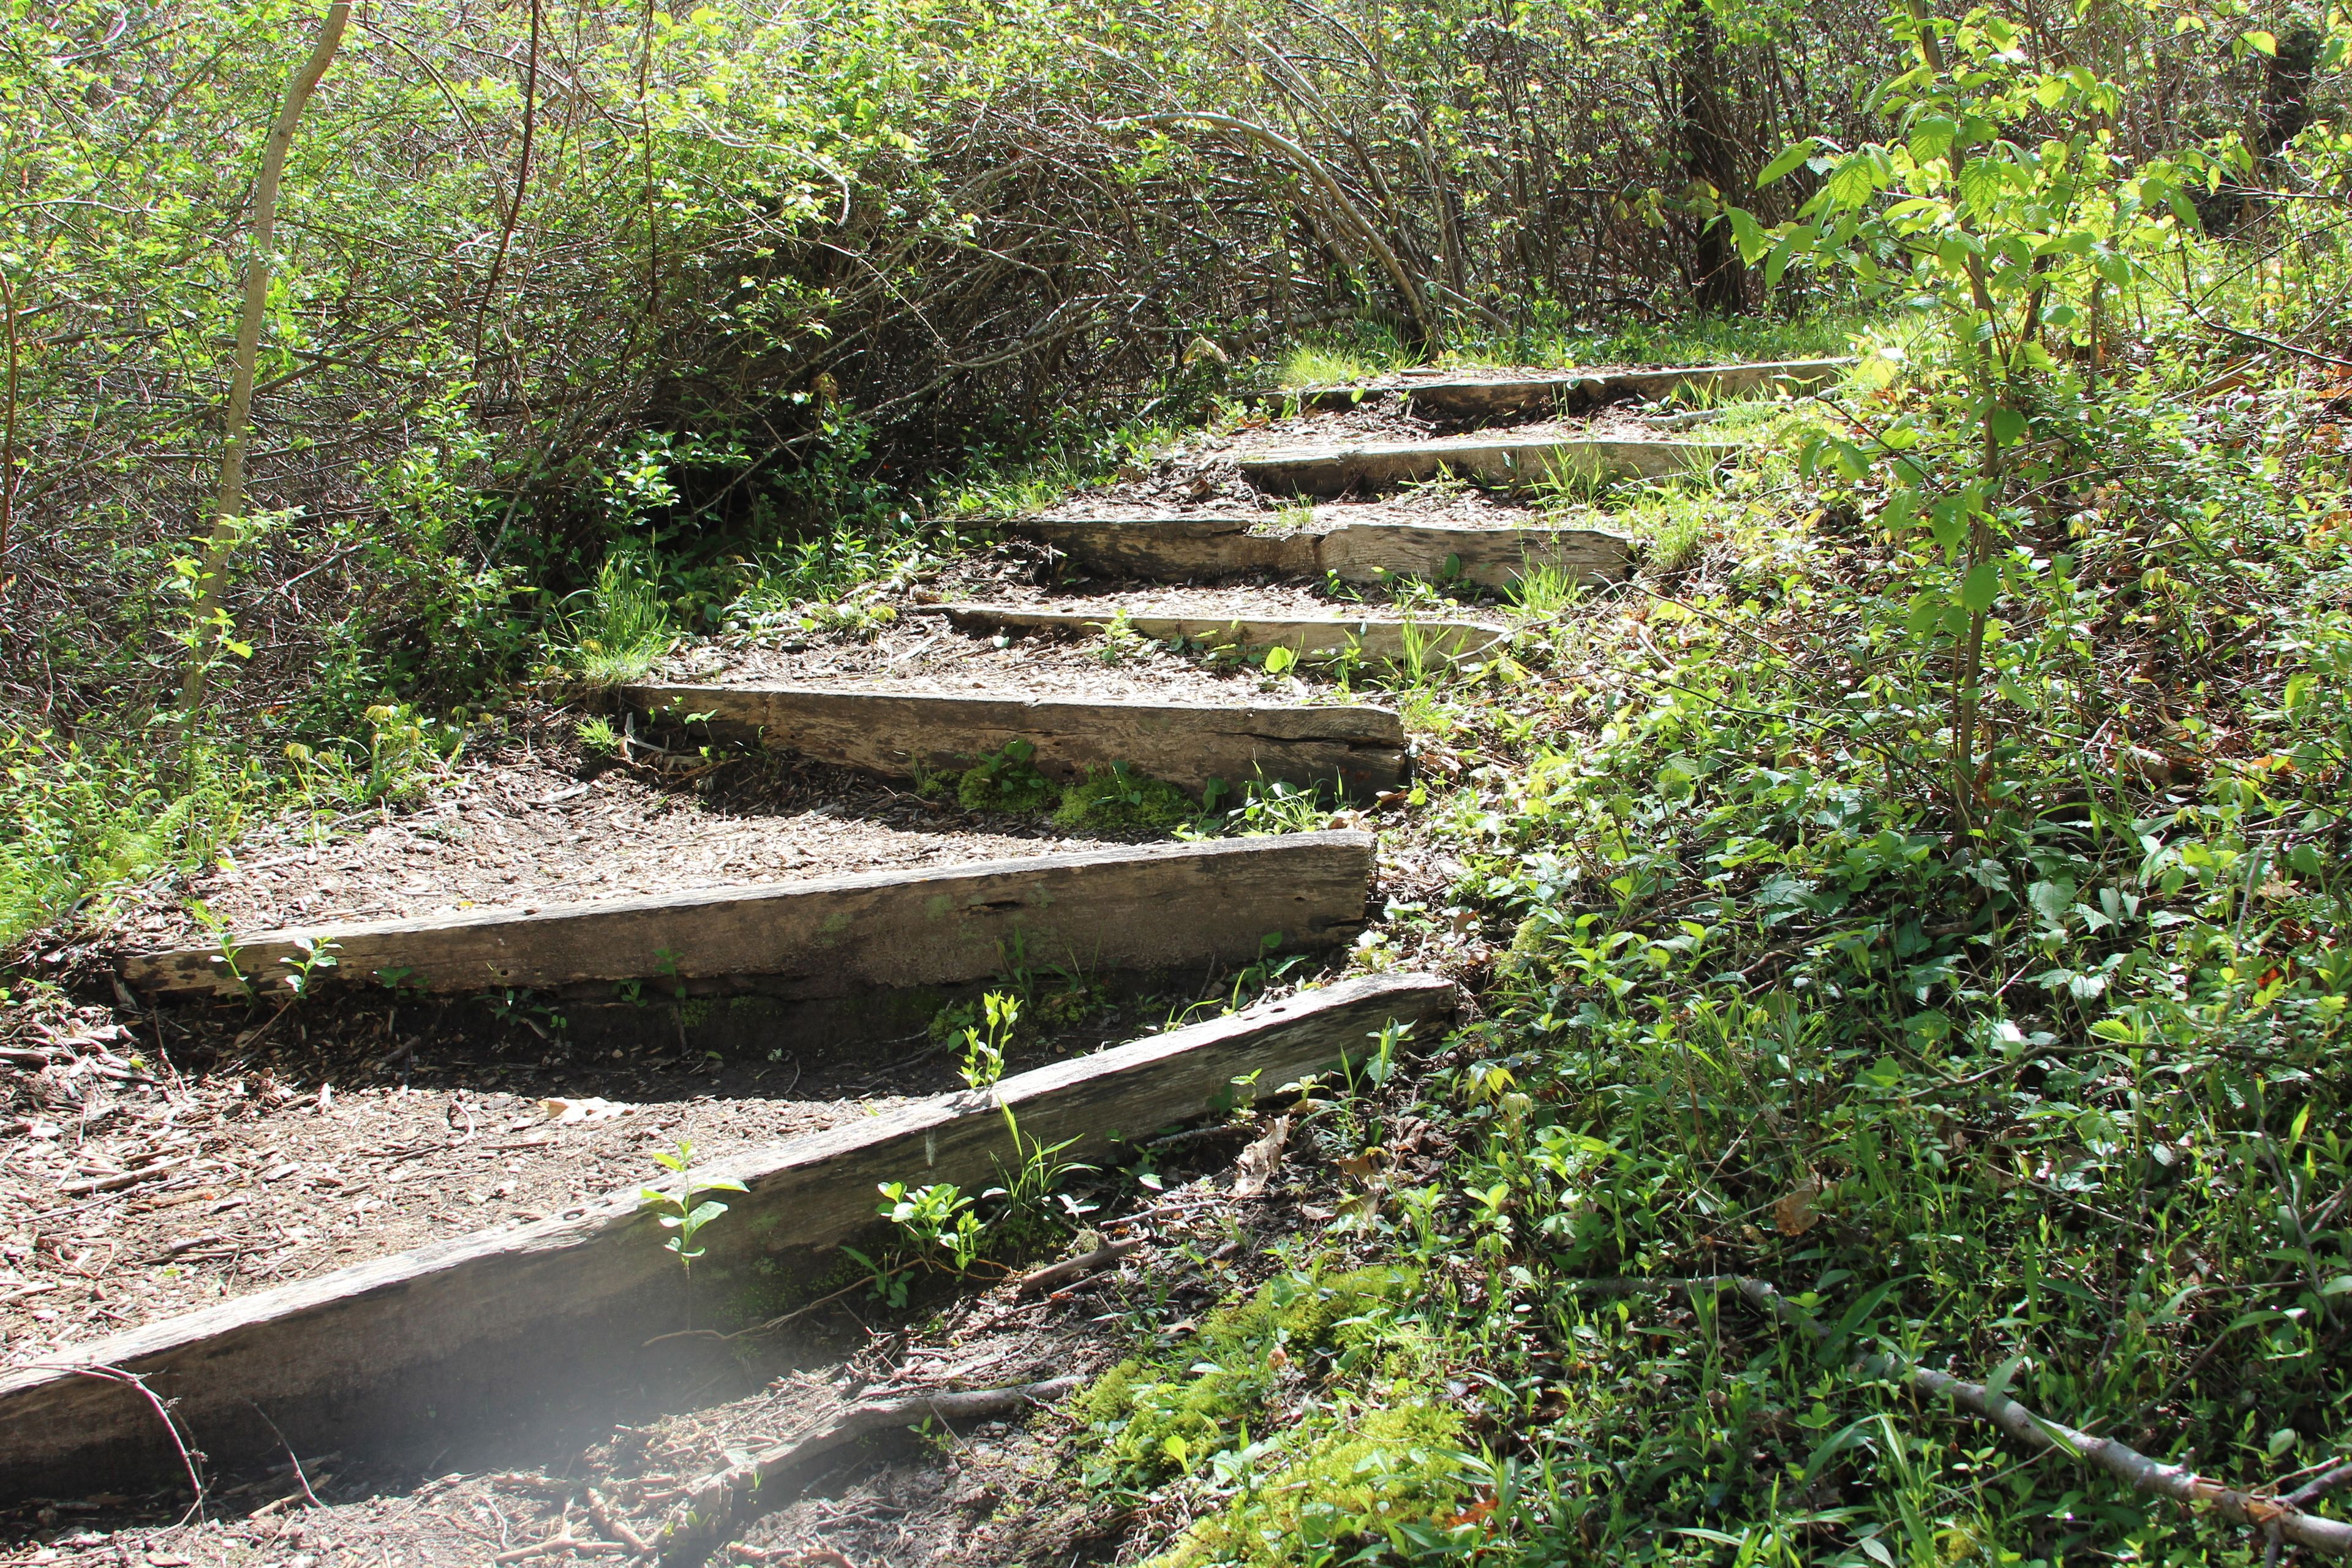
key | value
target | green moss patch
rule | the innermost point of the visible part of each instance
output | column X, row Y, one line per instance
column 1118, row 797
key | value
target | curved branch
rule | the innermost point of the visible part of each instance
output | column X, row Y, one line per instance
column 2123, row 1462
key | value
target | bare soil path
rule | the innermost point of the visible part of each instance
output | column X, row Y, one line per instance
column 159, row 1158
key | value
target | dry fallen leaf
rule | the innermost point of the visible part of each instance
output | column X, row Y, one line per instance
column 1258, row 1162
column 1793, row 1211
column 563, row 1112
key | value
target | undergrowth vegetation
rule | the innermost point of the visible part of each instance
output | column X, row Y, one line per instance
column 1916, row 898
column 1916, row 910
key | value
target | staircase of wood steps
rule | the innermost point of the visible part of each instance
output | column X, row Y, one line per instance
column 398, row 1353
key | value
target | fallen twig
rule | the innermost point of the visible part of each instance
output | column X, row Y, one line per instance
column 120, row 1179
column 292, row 1458
column 614, row 1526
column 162, row 1414
column 723, row 1503
column 2283, row 1516
column 566, row 1542
column 1054, row 1276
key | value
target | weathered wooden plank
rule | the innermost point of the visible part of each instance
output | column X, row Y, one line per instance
column 1545, row 393
column 408, row 1354
column 1509, row 462
column 1491, row 557
column 1188, row 743
column 1154, row 907
column 1170, row 549
column 1173, row 549
column 1313, row 636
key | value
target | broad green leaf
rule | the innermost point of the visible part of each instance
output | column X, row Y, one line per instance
column 1852, row 183
column 1931, row 137
column 2262, row 43
column 2007, row 425
column 1752, row 238
column 1794, row 153
column 1981, row 588
column 1948, row 520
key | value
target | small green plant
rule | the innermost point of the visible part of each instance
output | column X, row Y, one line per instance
column 310, row 956
column 938, row 1217
column 1004, row 780
column 623, row 627
column 405, row 753
column 1299, row 515
column 1120, row 797
column 597, row 735
column 1120, row 640
column 984, row 1049
column 1542, row 591
column 1279, row 808
column 665, row 962
column 1419, row 661
column 860, row 616
column 1280, row 658
column 679, row 1213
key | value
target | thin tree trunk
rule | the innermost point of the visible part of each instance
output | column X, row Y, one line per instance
column 8, row 438
column 229, row 507
column 1711, row 166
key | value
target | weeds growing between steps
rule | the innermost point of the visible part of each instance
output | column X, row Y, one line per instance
column 2048, row 1095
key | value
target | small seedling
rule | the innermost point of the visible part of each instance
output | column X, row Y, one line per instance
column 1004, row 780
column 680, row 1213
column 937, row 1215
column 983, row 1055
column 312, row 954
column 598, row 736
column 1120, row 640
column 224, row 950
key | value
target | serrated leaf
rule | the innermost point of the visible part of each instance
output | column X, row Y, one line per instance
column 1980, row 588
column 2007, row 424
column 1931, row 137
column 1948, row 520
column 1852, row 183
column 1982, row 181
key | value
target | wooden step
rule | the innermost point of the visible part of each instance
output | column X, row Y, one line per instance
column 898, row 734
column 1317, row 637
column 1180, row 549
column 409, row 1354
column 1506, row 462
column 1542, row 394
column 1172, row 907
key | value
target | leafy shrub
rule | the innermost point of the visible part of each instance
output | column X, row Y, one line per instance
column 1004, row 780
